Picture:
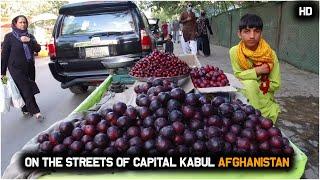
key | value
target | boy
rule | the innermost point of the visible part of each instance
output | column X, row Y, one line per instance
column 169, row 45
column 256, row 65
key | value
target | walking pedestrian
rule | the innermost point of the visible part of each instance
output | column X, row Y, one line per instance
column 175, row 31
column 17, row 56
column 188, row 19
column 203, row 39
column 169, row 45
column 164, row 29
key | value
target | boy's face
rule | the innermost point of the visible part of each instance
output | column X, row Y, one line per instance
column 250, row 37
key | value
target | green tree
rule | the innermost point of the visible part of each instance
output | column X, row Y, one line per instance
column 30, row 8
column 168, row 10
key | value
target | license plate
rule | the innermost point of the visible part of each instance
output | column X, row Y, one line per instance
column 96, row 52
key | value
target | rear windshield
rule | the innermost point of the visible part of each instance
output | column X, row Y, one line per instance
column 107, row 22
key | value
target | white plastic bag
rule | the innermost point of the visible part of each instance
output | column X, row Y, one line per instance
column 5, row 98
column 17, row 100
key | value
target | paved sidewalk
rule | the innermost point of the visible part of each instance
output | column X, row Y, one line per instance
column 295, row 82
column 299, row 101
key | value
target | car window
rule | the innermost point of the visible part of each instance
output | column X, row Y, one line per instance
column 152, row 21
column 145, row 21
column 96, row 23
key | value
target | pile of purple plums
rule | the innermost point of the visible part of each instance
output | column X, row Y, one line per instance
column 169, row 121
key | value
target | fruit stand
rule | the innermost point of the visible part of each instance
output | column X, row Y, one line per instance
column 102, row 99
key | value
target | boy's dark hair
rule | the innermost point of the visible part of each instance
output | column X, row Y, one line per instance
column 170, row 35
column 250, row 21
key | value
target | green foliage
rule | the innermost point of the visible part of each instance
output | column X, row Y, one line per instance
column 30, row 7
column 51, row 6
column 169, row 10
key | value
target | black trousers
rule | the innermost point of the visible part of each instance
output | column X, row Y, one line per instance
column 203, row 44
column 31, row 105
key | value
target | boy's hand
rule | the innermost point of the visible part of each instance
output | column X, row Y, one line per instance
column 263, row 69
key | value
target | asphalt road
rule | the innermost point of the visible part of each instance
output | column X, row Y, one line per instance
column 55, row 103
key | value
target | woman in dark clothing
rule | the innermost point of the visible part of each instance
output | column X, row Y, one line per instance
column 203, row 40
column 18, row 56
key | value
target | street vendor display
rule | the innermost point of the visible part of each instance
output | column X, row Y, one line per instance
column 159, row 117
column 168, row 121
column 159, row 64
column 208, row 76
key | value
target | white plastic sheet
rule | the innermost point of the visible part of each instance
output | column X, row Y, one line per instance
column 5, row 98
column 16, row 97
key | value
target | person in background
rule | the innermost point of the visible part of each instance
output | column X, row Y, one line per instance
column 188, row 39
column 257, row 66
column 164, row 29
column 203, row 39
column 175, row 31
column 17, row 55
column 169, row 45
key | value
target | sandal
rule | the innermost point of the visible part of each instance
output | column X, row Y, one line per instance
column 39, row 117
column 26, row 114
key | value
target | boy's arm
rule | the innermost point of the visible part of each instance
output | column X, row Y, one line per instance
column 275, row 76
column 249, row 74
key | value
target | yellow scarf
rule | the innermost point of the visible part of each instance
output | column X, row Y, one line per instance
column 263, row 54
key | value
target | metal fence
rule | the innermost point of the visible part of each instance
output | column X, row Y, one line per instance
column 295, row 41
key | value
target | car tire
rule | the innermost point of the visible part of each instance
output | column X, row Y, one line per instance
column 78, row 89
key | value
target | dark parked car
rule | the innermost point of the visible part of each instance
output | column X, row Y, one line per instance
column 90, row 38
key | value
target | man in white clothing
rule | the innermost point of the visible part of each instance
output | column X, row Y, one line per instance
column 188, row 38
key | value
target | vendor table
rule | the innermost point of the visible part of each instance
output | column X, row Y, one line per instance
column 96, row 99
column 296, row 172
